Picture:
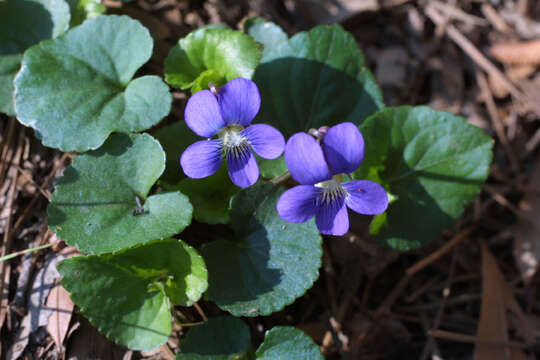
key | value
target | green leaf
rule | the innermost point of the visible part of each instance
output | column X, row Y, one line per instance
column 210, row 196
column 270, row 262
column 127, row 295
column 265, row 32
column 77, row 89
column 174, row 138
column 95, row 202
column 9, row 66
column 84, row 9
column 434, row 162
column 286, row 342
column 316, row 78
column 211, row 53
column 23, row 24
column 272, row 168
column 220, row 338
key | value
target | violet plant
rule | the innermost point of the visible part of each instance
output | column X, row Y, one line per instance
column 125, row 200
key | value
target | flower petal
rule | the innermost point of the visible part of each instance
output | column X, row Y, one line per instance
column 239, row 101
column 201, row 159
column 332, row 217
column 265, row 140
column 343, row 147
column 305, row 160
column 297, row 205
column 202, row 114
column 366, row 197
column 243, row 169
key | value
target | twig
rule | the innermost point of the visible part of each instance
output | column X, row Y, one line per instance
column 475, row 54
column 448, row 335
column 494, row 18
column 281, row 178
column 46, row 183
column 200, row 311
column 458, row 14
column 496, row 120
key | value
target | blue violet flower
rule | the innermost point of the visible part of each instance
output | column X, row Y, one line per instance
column 228, row 114
column 318, row 167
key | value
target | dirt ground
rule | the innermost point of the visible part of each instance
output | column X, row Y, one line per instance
column 471, row 293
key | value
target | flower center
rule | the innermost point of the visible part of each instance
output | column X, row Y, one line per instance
column 233, row 141
column 331, row 190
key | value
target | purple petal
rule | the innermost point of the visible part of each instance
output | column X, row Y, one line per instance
column 239, row 101
column 265, row 140
column 305, row 160
column 332, row 218
column 201, row 159
column 243, row 169
column 366, row 197
column 343, row 147
column 297, row 205
column 202, row 114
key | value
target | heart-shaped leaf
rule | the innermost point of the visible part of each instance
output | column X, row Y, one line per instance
column 214, row 54
column 287, row 342
column 23, row 24
column 220, row 338
column 270, row 262
column 95, row 205
column 433, row 162
column 316, row 78
column 127, row 295
column 265, row 32
column 77, row 89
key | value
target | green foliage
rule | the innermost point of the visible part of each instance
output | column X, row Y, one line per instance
column 23, row 24
column 220, row 338
column 127, row 295
column 270, row 262
column 84, row 9
column 316, row 78
column 286, row 342
column 227, row 338
column 94, row 206
column 77, row 89
column 174, row 138
column 267, row 33
column 432, row 161
column 210, row 196
column 211, row 54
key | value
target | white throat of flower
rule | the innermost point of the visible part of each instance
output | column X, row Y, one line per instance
column 331, row 190
column 232, row 141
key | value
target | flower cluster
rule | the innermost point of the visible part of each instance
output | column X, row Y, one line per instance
column 319, row 166
column 228, row 114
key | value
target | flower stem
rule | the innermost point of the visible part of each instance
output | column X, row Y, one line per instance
column 281, row 178
column 22, row 252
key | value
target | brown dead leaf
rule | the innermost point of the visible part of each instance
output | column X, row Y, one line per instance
column 59, row 320
column 525, row 52
column 497, row 299
column 527, row 234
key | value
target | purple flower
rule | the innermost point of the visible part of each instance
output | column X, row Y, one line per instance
column 318, row 168
column 228, row 114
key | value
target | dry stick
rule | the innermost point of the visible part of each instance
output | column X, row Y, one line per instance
column 448, row 335
column 475, row 54
column 6, row 244
column 398, row 289
column 438, row 318
column 458, row 14
column 6, row 141
column 36, row 195
column 496, row 120
column 200, row 311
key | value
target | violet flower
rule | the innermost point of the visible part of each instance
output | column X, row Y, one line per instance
column 318, row 168
column 228, row 114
